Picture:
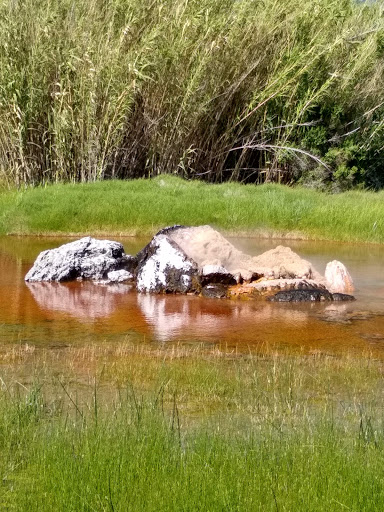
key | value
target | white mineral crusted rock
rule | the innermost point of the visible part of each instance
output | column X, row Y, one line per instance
column 164, row 267
column 337, row 277
column 86, row 258
column 119, row 276
column 189, row 259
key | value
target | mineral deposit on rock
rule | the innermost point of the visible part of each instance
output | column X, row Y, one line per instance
column 86, row 258
column 164, row 267
column 196, row 260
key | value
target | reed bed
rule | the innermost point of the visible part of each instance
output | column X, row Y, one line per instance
column 217, row 89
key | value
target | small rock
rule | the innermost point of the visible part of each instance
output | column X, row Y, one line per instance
column 119, row 276
column 338, row 278
column 215, row 291
column 342, row 297
column 309, row 295
column 216, row 274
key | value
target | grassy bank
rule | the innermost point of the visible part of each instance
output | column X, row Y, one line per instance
column 141, row 207
column 93, row 89
column 169, row 428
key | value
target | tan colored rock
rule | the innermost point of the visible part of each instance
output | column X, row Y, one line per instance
column 206, row 246
column 337, row 278
column 283, row 263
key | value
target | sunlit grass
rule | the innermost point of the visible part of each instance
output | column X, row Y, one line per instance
column 190, row 427
column 141, row 207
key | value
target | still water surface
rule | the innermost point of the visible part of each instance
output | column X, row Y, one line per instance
column 55, row 315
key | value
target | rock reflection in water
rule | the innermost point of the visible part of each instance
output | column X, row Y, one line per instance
column 83, row 301
column 84, row 312
column 175, row 317
column 167, row 316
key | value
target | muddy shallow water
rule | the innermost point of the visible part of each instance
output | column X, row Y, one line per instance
column 55, row 315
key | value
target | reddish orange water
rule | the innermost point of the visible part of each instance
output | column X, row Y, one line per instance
column 54, row 315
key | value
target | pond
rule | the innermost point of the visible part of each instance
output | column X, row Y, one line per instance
column 52, row 315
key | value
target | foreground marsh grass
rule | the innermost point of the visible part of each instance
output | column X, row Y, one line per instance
column 141, row 207
column 178, row 427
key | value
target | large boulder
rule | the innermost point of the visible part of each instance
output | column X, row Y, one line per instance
column 208, row 248
column 164, row 268
column 86, row 258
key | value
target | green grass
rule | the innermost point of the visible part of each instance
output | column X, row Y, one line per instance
column 170, row 428
column 143, row 206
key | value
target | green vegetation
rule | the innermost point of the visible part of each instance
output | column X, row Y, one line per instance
column 141, row 207
column 221, row 88
column 170, row 428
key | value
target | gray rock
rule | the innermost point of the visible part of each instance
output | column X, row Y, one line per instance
column 215, row 291
column 164, row 268
column 86, row 258
column 119, row 276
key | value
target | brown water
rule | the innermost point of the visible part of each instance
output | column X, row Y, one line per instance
column 55, row 315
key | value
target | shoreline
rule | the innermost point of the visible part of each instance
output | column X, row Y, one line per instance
column 251, row 235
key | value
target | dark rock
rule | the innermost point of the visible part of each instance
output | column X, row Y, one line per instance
column 304, row 295
column 216, row 274
column 342, row 297
column 86, row 258
column 162, row 267
column 215, row 291
column 309, row 295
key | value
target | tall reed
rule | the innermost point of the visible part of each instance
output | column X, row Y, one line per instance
column 214, row 88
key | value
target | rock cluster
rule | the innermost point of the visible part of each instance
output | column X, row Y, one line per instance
column 195, row 260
